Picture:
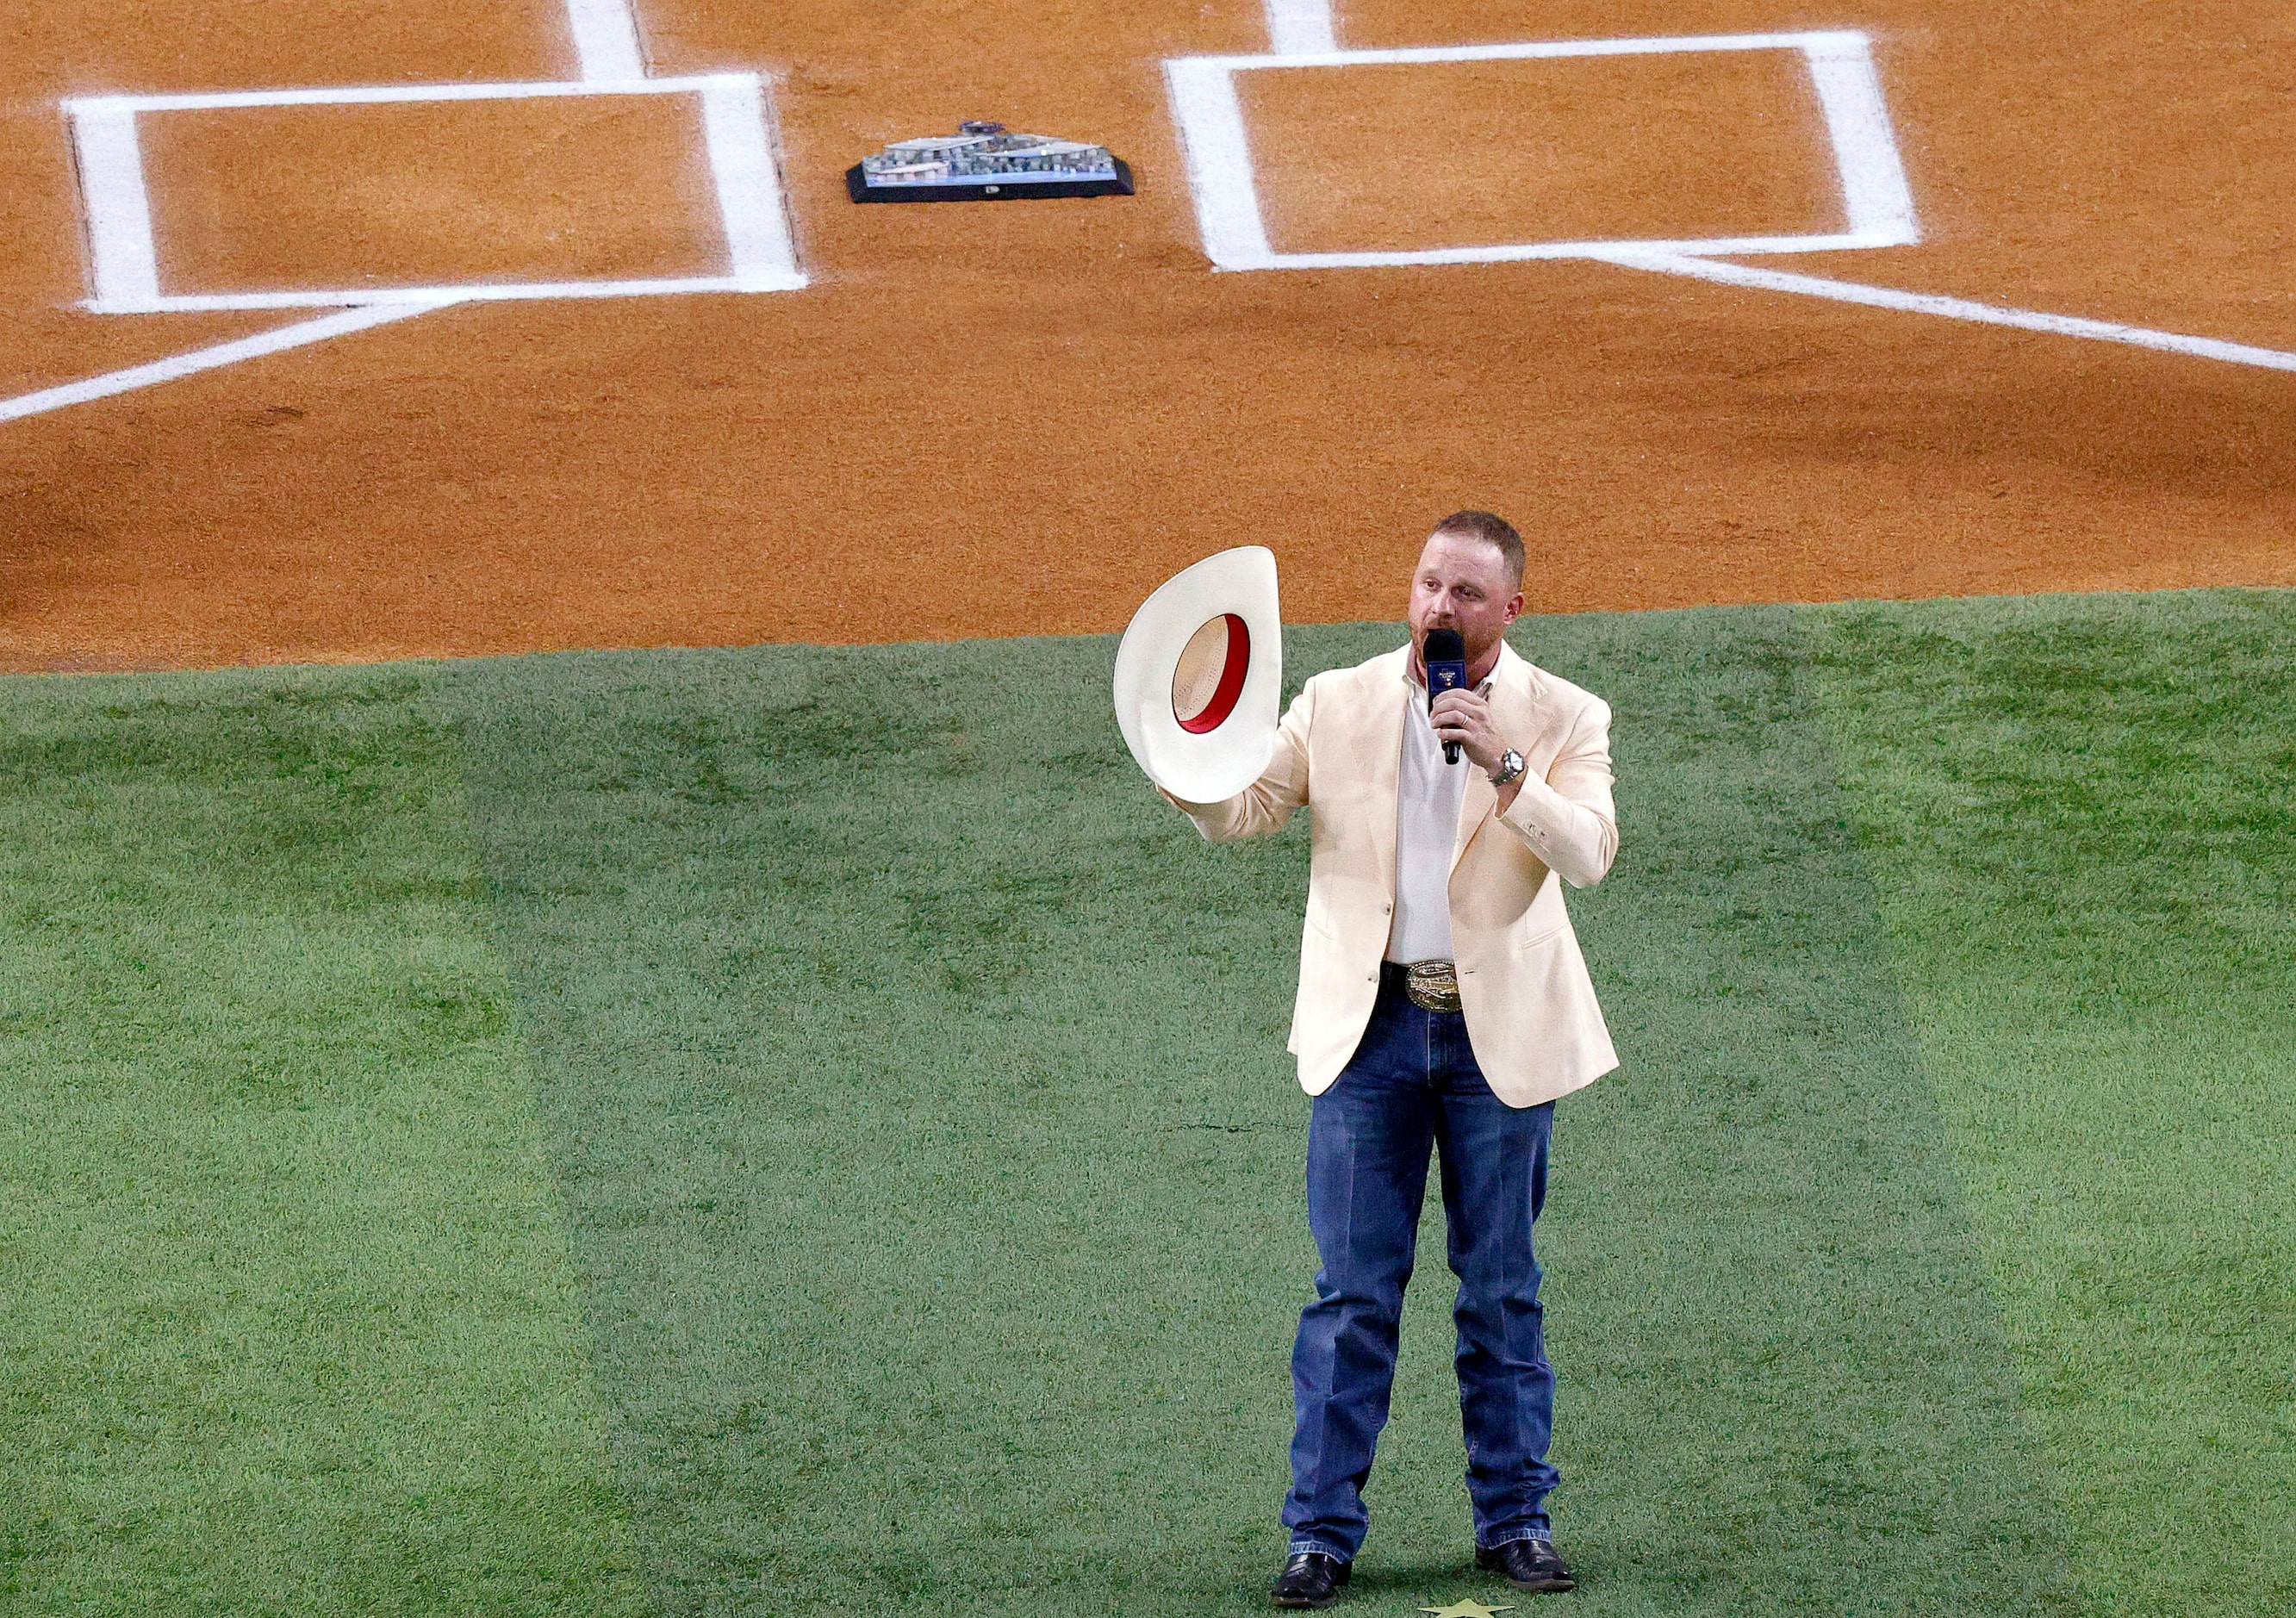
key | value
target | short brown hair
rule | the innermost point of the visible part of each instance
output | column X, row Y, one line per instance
column 1485, row 529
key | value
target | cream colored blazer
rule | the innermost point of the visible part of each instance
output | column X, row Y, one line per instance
column 1532, row 1018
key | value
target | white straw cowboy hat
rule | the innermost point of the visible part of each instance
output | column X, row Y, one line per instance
column 1199, row 676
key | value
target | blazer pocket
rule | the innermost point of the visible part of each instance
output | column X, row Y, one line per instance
column 1543, row 935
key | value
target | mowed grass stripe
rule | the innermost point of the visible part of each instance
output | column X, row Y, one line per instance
column 934, row 1162
column 935, row 1244
column 2080, row 814
column 286, row 1320
column 1793, row 1390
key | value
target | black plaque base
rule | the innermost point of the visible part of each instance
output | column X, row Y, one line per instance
column 988, row 190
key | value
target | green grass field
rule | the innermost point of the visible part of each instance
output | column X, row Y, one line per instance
column 794, row 1130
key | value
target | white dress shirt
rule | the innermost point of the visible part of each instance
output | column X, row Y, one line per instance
column 1428, row 794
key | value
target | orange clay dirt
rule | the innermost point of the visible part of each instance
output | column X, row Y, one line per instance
column 1009, row 418
column 1456, row 154
column 407, row 195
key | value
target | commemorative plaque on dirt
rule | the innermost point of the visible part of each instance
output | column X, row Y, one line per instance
column 986, row 162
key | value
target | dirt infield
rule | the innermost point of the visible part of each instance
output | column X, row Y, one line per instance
column 1025, row 416
column 489, row 190
column 1671, row 145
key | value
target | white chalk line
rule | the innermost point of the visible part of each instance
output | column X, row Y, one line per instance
column 606, row 38
column 1238, row 257
column 754, row 278
column 332, row 95
column 179, row 365
column 1950, row 308
column 1301, row 27
column 742, row 170
column 1825, row 41
column 124, row 259
column 1877, row 199
column 1210, row 121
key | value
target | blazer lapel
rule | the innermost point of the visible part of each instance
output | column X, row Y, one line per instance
column 1378, row 749
column 1475, row 807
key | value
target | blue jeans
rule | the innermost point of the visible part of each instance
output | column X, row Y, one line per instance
column 1412, row 1083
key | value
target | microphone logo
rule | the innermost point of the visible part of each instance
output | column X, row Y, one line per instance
column 1445, row 653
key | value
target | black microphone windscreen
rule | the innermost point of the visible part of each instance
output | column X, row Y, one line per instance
column 1445, row 646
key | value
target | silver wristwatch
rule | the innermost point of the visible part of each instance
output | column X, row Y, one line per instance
column 1511, row 764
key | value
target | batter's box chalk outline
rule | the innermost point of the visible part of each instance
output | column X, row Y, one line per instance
column 124, row 255
column 1878, row 203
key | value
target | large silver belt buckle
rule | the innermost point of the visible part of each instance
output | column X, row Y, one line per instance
column 1432, row 985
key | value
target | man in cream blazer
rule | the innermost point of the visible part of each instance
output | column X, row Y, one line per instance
column 1443, row 1004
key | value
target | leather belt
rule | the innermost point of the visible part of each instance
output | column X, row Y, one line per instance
column 1432, row 985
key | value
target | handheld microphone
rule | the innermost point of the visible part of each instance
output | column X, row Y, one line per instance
column 1445, row 653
